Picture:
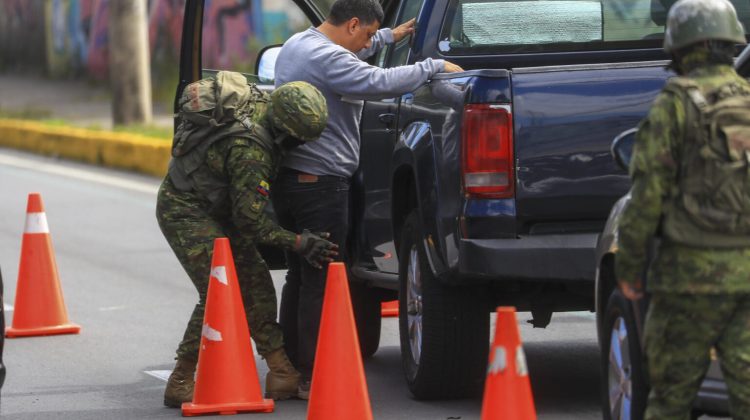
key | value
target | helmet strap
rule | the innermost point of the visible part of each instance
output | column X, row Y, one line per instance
column 287, row 142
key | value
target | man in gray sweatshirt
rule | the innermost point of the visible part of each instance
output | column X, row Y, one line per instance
column 312, row 190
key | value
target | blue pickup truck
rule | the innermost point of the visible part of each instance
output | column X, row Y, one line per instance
column 488, row 187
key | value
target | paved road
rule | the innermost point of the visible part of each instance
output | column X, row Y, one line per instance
column 127, row 291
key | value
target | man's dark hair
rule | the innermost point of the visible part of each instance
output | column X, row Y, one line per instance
column 367, row 11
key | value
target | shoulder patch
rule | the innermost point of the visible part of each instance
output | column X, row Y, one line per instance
column 263, row 188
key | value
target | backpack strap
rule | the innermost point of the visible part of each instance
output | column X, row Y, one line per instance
column 694, row 105
column 684, row 87
column 262, row 136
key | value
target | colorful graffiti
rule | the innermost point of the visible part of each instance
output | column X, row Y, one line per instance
column 77, row 40
column 74, row 41
column 221, row 18
column 22, row 20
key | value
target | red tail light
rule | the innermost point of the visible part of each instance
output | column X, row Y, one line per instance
column 487, row 161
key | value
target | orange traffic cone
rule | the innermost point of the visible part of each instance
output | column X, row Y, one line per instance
column 507, row 391
column 39, row 307
column 338, row 389
column 226, row 379
column 389, row 309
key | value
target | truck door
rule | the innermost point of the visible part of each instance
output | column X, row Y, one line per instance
column 380, row 128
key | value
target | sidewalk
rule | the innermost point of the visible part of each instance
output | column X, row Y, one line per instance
column 80, row 104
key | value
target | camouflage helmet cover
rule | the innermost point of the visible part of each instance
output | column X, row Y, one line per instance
column 691, row 21
column 299, row 109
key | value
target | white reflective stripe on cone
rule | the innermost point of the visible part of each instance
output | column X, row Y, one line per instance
column 210, row 333
column 36, row 223
column 220, row 273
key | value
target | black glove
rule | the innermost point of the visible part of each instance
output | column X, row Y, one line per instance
column 315, row 248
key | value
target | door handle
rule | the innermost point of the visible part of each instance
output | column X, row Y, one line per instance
column 387, row 118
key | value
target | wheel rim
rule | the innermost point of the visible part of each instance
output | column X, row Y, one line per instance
column 414, row 304
column 620, row 371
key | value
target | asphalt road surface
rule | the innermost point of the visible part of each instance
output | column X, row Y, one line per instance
column 126, row 289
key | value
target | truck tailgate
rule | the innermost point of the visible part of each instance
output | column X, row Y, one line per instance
column 564, row 121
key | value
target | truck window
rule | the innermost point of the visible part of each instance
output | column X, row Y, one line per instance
column 234, row 31
column 519, row 26
column 401, row 50
column 399, row 53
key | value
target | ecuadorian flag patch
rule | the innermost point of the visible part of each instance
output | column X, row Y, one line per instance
column 263, row 188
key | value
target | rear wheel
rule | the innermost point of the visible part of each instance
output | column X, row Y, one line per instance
column 444, row 330
column 624, row 386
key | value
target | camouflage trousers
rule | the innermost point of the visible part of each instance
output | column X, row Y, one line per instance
column 190, row 232
column 680, row 331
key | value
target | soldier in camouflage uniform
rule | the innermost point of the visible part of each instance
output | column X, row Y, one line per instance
column 700, row 278
column 218, row 186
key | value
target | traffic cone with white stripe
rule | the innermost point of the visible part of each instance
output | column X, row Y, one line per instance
column 226, row 379
column 39, row 306
column 507, row 391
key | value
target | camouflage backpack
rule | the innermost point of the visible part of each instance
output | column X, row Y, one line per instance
column 219, row 106
column 210, row 110
column 710, row 204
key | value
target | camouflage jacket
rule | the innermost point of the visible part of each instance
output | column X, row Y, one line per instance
column 247, row 167
column 653, row 169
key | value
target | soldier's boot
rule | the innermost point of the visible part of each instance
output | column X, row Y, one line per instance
column 282, row 378
column 180, row 384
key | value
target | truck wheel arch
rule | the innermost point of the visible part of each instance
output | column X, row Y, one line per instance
column 403, row 200
column 408, row 155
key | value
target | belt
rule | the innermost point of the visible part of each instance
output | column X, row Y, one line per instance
column 305, row 178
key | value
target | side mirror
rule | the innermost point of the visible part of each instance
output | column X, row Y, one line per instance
column 622, row 148
column 266, row 64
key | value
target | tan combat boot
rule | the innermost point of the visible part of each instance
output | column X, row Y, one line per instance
column 180, row 384
column 282, row 378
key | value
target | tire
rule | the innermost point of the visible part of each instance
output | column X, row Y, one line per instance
column 444, row 330
column 624, row 386
column 366, row 306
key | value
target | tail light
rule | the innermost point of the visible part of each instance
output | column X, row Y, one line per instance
column 487, row 151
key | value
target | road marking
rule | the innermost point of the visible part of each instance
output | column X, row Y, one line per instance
column 7, row 307
column 97, row 177
column 159, row 374
column 112, row 308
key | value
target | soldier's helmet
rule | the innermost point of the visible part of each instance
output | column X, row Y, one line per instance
column 691, row 21
column 299, row 109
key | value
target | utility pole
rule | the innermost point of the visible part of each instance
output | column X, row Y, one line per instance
column 129, row 65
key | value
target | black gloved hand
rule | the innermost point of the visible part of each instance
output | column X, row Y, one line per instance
column 315, row 248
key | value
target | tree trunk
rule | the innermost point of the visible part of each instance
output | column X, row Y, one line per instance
column 129, row 65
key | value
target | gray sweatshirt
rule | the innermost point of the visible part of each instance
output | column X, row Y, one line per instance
column 345, row 81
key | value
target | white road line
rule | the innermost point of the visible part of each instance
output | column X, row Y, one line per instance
column 7, row 307
column 112, row 308
column 78, row 174
column 583, row 314
column 159, row 374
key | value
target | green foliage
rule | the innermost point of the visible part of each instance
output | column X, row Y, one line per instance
column 162, row 133
column 28, row 113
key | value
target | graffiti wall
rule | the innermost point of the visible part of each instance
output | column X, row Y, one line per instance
column 22, row 33
column 69, row 37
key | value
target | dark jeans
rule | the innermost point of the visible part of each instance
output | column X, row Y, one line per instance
column 319, row 206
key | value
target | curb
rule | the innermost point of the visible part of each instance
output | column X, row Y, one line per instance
column 118, row 150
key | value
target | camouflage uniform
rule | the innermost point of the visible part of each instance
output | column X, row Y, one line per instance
column 191, row 229
column 230, row 190
column 701, row 295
